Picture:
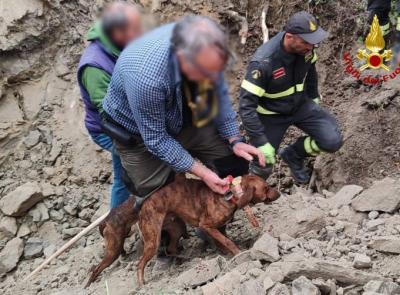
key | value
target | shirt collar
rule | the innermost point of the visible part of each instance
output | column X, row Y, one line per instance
column 175, row 68
column 287, row 57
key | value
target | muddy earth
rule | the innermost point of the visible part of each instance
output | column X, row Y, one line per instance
column 340, row 235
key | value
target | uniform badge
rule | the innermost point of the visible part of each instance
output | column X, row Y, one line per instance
column 279, row 73
column 374, row 44
column 313, row 27
column 255, row 74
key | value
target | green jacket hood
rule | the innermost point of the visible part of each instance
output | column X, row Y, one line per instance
column 96, row 33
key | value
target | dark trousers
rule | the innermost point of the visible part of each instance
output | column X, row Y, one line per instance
column 320, row 125
column 382, row 8
column 148, row 173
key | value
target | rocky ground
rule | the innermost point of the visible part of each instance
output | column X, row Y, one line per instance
column 338, row 236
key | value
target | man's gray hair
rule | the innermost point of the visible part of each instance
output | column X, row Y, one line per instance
column 114, row 16
column 193, row 33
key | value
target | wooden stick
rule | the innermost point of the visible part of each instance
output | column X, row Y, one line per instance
column 264, row 27
column 68, row 244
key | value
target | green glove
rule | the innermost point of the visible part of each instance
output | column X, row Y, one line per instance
column 269, row 153
column 317, row 100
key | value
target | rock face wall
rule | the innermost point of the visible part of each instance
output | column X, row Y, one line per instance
column 54, row 181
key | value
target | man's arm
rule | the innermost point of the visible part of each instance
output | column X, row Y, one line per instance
column 96, row 82
column 252, row 89
column 311, row 82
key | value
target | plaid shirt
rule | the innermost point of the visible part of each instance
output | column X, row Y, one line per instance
column 145, row 97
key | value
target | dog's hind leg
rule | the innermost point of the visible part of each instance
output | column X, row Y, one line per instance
column 176, row 229
column 222, row 240
column 150, row 225
column 114, row 244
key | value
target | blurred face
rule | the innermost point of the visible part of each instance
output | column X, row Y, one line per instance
column 207, row 64
column 295, row 44
column 122, row 37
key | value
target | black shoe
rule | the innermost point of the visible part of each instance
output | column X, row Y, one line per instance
column 296, row 164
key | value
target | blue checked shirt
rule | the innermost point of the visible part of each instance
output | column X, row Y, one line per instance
column 145, row 97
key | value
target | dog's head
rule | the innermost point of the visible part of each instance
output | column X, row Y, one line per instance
column 259, row 189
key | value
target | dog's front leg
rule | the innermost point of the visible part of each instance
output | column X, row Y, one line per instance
column 223, row 240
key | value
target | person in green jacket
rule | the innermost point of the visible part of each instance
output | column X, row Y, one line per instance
column 119, row 25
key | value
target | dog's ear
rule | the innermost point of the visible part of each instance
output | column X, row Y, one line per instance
column 250, row 191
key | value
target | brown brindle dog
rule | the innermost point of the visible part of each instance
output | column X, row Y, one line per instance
column 116, row 227
column 194, row 203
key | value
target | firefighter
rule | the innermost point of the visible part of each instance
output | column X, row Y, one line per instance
column 382, row 8
column 280, row 89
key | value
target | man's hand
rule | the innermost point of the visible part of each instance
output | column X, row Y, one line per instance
column 247, row 152
column 212, row 180
column 268, row 152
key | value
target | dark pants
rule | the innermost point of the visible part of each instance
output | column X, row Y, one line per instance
column 320, row 125
column 148, row 173
column 382, row 8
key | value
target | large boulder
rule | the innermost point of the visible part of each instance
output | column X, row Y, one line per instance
column 17, row 202
column 383, row 195
column 10, row 255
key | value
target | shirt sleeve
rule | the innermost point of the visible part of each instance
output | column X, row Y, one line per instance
column 253, row 89
column 311, row 82
column 226, row 122
column 147, row 99
column 96, row 82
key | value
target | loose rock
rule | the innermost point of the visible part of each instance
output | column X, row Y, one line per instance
column 388, row 288
column 201, row 273
column 32, row 139
column 17, row 202
column 265, row 248
column 303, row 286
column 362, row 261
column 33, row 248
column 344, row 196
column 8, row 227
column 279, row 289
column 10, row 255
column 383, row 195
column 390, row 244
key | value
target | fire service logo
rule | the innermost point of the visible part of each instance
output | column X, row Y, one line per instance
column 373, row 56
